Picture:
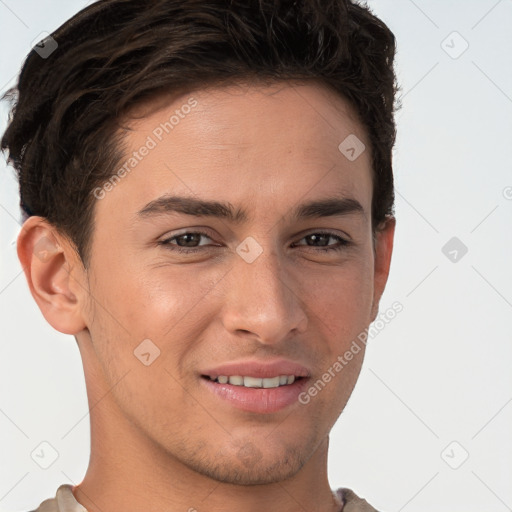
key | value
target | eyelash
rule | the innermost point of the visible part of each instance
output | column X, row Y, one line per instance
column 191, row 250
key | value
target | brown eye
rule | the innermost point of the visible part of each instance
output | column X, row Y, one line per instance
column 185, row 242
column 321, row 241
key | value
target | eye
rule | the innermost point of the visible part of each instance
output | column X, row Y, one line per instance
column 322, row 239
column 186, row 242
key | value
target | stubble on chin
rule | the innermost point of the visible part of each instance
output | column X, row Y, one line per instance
column 245, row 463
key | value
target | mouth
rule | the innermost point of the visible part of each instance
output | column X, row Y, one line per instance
column 255, row 382
column 255, row 386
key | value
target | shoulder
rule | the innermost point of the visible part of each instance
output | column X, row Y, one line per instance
column 49, row 505
column 352, row 502
column 64, row 501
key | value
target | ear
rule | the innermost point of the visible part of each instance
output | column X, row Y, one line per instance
column 54, row 274
column 382, row 260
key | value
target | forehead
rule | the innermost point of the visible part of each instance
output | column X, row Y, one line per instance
column 254, row 146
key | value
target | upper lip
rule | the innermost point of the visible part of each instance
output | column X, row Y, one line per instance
column 258, row 369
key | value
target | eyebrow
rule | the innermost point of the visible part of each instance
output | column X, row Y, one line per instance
column 327, row 207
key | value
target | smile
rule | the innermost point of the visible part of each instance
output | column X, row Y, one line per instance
column 255, row 382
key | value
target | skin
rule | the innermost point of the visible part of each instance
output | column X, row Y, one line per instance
column 155, row 432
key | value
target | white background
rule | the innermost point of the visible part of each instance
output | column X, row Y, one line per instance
column 438, row 373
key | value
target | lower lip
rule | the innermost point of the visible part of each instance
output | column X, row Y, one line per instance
column 259, row 400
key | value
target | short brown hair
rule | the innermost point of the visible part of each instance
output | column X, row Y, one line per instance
column 114, row 54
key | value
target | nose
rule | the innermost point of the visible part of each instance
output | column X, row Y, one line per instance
column 261, row 299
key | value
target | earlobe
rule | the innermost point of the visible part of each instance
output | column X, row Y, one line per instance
column 383, row 251
column 49, row 264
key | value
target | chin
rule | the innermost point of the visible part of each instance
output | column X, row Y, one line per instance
column 249, row 465
column 260, row 473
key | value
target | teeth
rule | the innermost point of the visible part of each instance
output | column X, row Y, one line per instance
column 271, row 383
column 255, row 382
column 236, row 380
column 252, row 382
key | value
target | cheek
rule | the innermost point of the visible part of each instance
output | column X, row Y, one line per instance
column 342, row 299
column 169, row 306
column 151, row 299
column 169, row 302
column 125, row 313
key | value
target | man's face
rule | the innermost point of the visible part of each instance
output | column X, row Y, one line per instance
column 275, row 292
